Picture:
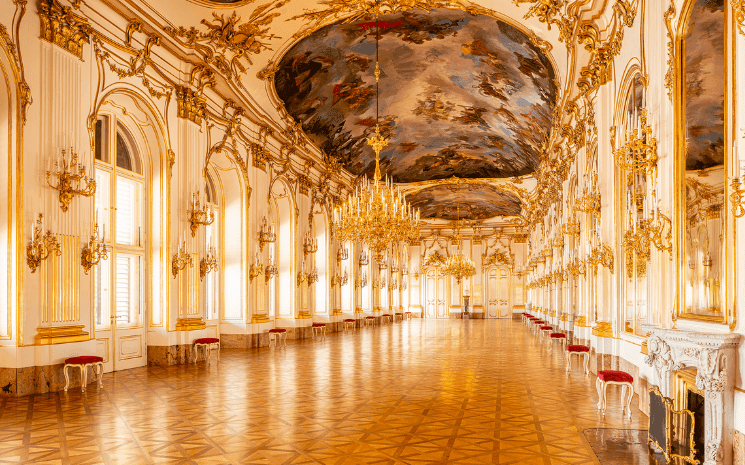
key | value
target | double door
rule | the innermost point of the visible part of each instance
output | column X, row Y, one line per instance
column 436, row 303
column 498, row 293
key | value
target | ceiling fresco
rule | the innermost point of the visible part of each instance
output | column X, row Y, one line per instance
column 460, row 95
column 477, row 202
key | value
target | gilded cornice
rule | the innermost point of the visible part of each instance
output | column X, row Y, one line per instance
column 60, row 26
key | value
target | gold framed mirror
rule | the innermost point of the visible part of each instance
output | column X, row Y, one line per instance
column 703, row 142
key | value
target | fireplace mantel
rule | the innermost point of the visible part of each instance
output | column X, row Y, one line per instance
column 714, row 356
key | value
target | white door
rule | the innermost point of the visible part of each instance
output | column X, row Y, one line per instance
column 505, row 310
column 442, row 301
column 430, row 289
column 492, row 300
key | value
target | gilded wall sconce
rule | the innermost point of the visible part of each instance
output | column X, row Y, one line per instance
column 270, row 271
column 345, row 278
column 95, row 250
column 257, row 268
column 71, row 180
column 267, row 234
column 41, row 246
column 181, row 259
column 364, row 260
column 198, row 214
column 302, row 276
column 313, row 276
column 310, row 244
column 208, row 264
column 342, row 254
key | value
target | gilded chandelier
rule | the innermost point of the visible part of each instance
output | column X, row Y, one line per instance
column 377, row 214
column 458, row 265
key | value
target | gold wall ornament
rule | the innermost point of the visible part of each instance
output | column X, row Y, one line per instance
column 256, row 269
column 270, row 271
column 137, row 66
column 95, row 250
column 671, row 64
column 571, row 228
column 208, row 264
column 310, row 244
column 364, row 260
column 601, row 255
column 302, row 276
column 191, row 105
column 313, row 276
column 259, row 156
column 738, row 10
column 62, row 27
column 558, row 242
column 199, row 214
column 267, row 73
column 227, row 44
column 736, row 199
column 304, row 183
column 267, row 234
column 342, row 254
column 181, row 259
column 41, row 246
column 71, row 180
column 434, row 259
column 639, row 149
column 498, row 257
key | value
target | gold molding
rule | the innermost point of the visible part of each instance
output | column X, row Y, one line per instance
column 671, row 63
column 62, row 27
column 603, row 329
column 260, row 318
column 304, row 315
column 61, row 335
column 191, row 105
column 581, row 321
column 338, row 311
column 190, row 324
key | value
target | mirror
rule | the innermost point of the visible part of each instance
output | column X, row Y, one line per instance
column 701, row 161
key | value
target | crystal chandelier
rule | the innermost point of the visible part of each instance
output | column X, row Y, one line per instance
column 458, row 265
column 377, row 214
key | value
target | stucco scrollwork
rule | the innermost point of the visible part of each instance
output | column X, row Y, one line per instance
column 660, row 356
column 709, row 376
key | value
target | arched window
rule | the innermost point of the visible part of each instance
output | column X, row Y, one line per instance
column 120, row 207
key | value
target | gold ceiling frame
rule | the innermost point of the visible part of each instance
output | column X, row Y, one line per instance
column 342, row 12
column 728, row 268
column 214, row 5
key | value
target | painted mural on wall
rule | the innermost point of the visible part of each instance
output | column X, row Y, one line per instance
column 477, row 202
column 460, row 94
column 704, row 84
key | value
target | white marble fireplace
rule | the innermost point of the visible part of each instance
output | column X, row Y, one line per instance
column 714, row 355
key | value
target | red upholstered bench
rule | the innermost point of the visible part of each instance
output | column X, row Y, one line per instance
column 83, row 362
column 545, row 330
column 561, row 337
column 206, row 343
column 625, row 380
column 277, row 333
column 319, row 329
column 580, row 351
column 350, row 322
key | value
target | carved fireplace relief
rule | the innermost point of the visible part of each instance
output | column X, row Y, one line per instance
column 698, row 366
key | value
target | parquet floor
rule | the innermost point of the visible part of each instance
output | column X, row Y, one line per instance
column 418, row 392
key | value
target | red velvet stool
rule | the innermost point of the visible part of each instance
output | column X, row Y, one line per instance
column 399, row 316
column 277, row 333
column 408, row 315
column 83, row 362
column 561, row 337
column 369, row 320
column 319, row 329
column 349, row 322
column 546, row 330
column 537, row 325
column 580, row 351
column 625, row 380
column 206, row 343
column 387, row 317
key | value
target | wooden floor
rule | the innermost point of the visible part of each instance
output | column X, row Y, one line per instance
column 421, row 391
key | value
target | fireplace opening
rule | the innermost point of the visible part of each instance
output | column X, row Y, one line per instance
column 695, row 403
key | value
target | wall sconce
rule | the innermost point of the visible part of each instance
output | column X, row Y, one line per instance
column 364, row 260
column 383, row 263
column 345, row 278
column 266, row 234
column 404, row 285
column 313, row 276
column 736, row 198
column 382, row 283
column 363, row 281
column 394, row 285
column 270, row 271
column 71, row 180
column 404, row 270
column 310, row 244
column 335, row 280
column 571, row 228
column 558, row 242
column 416, row 274
column 208, row 264
column 95, row 250
column 639, row 149
column 199, row 216
column 41, row 246
column 256, row 268
column 181, row 259
column 302, row 276
column 342, row 254
column 394, row 267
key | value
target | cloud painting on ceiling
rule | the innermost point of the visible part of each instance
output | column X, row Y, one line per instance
column 477, row 202
column 460, row 94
